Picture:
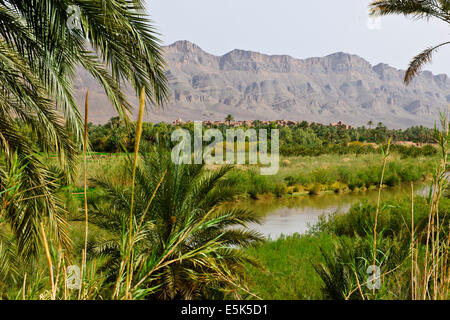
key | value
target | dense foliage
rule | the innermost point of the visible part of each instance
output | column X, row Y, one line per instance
column 299, row 140
column 40, row 52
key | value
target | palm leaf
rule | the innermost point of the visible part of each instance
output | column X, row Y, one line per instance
column 420, row 60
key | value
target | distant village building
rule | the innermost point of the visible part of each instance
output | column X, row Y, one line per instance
column 252, row 123
column 340, row 125
column 178, row 122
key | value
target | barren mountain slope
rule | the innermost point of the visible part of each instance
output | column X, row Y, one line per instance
column 251, row 85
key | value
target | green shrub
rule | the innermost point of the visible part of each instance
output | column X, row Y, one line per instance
column 280, row 190
column 290, row 181
column 345, row 267
column 315, row 190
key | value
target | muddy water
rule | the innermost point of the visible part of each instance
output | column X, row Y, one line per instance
column 295, row 215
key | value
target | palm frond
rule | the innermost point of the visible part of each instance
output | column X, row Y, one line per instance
column 417, row 9
column 420, row 60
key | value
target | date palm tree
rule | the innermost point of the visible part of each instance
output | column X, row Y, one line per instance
column 229, row 118
column 185, row 223
column 417, row 9
column 40, row 54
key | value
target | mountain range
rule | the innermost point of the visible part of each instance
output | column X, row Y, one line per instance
column 251, row 85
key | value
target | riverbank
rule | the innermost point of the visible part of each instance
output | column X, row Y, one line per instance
column 289, row 215
column 299, row 176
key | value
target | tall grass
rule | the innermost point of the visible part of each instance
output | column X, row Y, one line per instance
column 409, row 241
column 436, row 281
column 288, row 273
column 86, row 215
column 385, row 158
column 129, row 259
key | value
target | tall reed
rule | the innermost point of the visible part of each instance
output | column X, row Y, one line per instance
column 49, row 262
column 412, row 245
column 435, row 275
column 385, row 158
column 128, row 256
column 86, row 215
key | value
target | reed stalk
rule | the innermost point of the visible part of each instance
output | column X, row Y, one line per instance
column 135, row 161
column 412, row 242
column 433, row 246
column 49, row 262
column 66, row 293
column 24, row 286
column 385, row 158
column 86, row 215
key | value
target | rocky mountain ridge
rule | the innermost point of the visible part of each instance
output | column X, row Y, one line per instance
column 250, row 85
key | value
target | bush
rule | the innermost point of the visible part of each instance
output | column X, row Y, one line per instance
column 323, row 176
column 290, row 181
column 315, row 190
column 280, row 190
column 349, row 261
column 394, row 218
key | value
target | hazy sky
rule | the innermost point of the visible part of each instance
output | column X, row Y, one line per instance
column 300, row 28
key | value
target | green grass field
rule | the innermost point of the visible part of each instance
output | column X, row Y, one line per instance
column 288, row 273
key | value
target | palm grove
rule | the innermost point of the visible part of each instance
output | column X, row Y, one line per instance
column 160, row 229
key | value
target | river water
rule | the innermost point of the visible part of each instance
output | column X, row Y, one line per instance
column 294, row 215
